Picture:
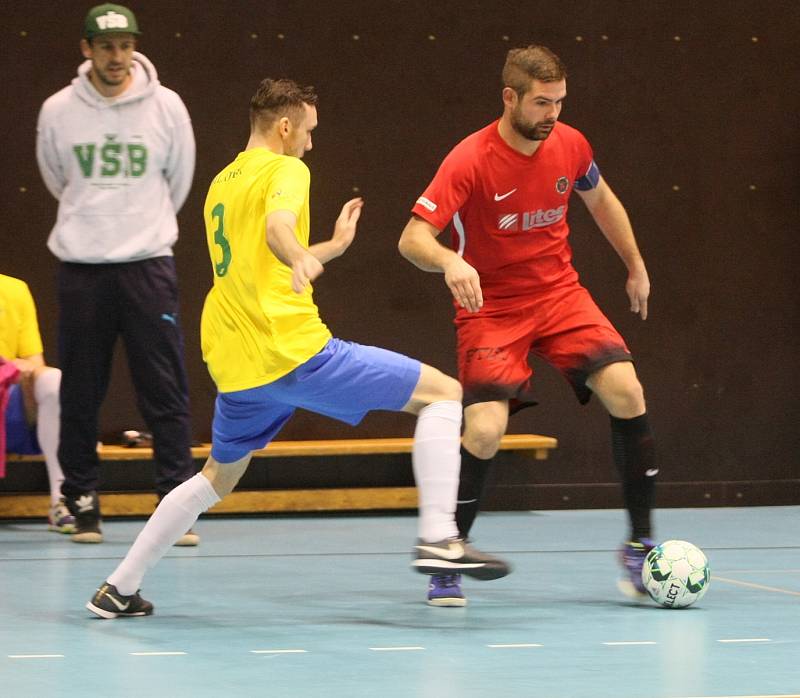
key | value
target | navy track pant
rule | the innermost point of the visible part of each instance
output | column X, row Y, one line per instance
column 139, row 302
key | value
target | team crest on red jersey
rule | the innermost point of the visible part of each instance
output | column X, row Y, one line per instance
column 562, row 184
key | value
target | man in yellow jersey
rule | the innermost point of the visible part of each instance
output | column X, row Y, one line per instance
column 269, row 353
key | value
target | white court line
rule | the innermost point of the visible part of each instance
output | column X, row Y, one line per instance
column 756, row 586
column 395, row 649
column 278, row 651
column 157, row 654
column 763, row 571
column 642, row 642
column 772, row 695
column 531, row 644
column 747, row 639
column 34, row 656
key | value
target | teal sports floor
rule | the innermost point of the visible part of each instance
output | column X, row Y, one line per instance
column 327, row 606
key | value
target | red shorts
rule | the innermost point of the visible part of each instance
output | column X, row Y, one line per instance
column 564, row 327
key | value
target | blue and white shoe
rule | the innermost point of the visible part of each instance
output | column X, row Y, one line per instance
column 631, row 557
column 445, row 590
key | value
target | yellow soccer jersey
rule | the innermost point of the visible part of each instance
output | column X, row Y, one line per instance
column 255, row 328
column 19, row 328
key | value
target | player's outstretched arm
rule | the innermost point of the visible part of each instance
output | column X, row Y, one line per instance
column 344, row 232
column 284, row 245
column 418, row 244
column 612, row 219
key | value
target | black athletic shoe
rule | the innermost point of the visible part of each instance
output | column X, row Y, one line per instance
column 454, row 556
column 107, row 602
column 86, row 510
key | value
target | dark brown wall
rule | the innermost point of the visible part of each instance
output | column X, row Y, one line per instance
column 692, row 109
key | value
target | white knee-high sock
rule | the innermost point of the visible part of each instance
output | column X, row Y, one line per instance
column 48, row 411
column 436, row 457
column 173, row 517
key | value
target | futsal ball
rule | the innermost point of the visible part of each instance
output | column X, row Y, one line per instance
column 676, row 574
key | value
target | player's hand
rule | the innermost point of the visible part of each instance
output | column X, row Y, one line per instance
column 638, row 290
column 305, row 269
column 25, row 367
column 344, row 230
column 465, row 284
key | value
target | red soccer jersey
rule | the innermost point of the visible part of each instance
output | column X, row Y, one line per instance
column 509, row 210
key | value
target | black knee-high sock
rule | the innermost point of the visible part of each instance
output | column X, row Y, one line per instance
column 634, row 454
column 470, row 489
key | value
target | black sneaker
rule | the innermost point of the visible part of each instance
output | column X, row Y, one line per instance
column 107, row 602
column 86, row 510
column 453, row 556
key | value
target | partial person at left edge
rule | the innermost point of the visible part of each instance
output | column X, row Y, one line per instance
column 116, row 149
column 29, row 410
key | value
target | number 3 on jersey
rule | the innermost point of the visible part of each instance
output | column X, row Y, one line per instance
column 221, row 268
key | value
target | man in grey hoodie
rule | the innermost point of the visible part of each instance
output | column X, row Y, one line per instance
column 116, row 149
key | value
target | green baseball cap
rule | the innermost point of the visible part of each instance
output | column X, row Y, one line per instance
column 110, row 19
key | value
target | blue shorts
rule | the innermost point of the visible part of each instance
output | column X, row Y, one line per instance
column 344, row 381
column 20, row 436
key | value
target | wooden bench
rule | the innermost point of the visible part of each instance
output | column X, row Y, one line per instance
column 272, row 501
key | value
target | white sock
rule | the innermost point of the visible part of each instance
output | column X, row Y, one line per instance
column 48, row 411
column 173, row 517
column 436, row 457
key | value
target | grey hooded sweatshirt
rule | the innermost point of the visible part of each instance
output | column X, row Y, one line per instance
column 120, row 168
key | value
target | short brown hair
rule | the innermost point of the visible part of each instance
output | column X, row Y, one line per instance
column 277, row 98
column 531, row 63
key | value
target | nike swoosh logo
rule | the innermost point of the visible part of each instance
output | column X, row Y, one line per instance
column 500, row 197
column 454, row 552
column 652, row 472
column 120, row 606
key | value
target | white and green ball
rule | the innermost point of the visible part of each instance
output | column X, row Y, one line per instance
column 676, row 574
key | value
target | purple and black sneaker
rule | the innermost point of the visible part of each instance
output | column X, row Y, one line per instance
column 445, row 590
column 631, row 557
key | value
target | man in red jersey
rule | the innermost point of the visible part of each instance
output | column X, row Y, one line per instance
column 506, row 190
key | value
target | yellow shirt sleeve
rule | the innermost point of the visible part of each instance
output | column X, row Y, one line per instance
column 287, row 189
column 30, row 341
column 19, row 328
